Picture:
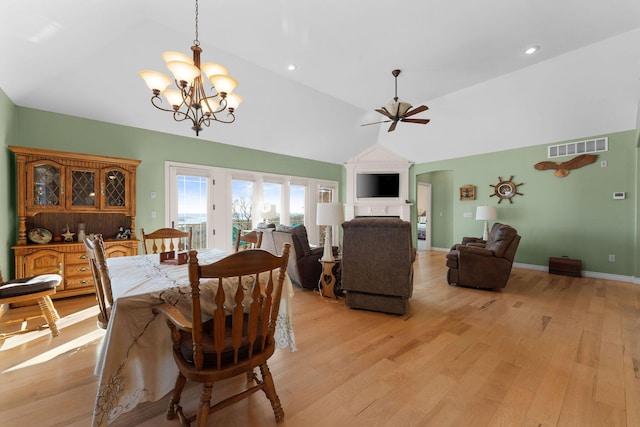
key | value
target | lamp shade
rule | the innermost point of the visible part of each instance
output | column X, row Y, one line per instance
column 329, row 214
column 486, row 213
column 269, row 211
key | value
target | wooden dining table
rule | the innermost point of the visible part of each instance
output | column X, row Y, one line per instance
column 135, row 362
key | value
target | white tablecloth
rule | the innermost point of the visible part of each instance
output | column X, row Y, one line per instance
column 135, row 363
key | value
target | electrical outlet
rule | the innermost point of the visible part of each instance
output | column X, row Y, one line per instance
column 153, row 214
column 612, row 258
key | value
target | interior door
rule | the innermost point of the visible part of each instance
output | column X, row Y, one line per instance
column 424, row 216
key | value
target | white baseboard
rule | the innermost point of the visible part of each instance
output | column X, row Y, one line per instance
column 585, row 273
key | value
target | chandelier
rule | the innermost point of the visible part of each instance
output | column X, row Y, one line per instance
column 190, row 101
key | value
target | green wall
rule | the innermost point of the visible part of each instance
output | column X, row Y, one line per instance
column 8, row 136
column 41, row 129
column 574, row 216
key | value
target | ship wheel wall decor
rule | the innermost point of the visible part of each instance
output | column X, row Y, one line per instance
column 505, row 189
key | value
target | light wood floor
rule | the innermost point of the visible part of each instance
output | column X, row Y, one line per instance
column 546, row 351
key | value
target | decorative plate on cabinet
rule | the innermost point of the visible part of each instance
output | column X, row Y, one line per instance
column 39, row 235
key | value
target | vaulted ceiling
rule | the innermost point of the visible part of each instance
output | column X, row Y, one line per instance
column 464, row 59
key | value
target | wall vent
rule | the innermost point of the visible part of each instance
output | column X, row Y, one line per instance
column 578, row 147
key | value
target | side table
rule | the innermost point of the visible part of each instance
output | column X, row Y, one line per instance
column 330, row 279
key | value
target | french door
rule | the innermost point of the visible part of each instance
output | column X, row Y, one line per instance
column 190, row 203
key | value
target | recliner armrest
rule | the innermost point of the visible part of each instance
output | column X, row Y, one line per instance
column 467, row 240
column 476, row 250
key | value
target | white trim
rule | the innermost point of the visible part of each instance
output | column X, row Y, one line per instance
column 585, row 273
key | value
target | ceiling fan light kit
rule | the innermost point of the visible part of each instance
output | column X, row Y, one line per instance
column 399, row 111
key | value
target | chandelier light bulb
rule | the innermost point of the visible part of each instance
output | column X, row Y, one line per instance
column 223, row 84
column 209, row 105
column 233, row 100
column 173, row 96
column 183, row 71
column 176, row 56
column 211, row 69
column 155, row 80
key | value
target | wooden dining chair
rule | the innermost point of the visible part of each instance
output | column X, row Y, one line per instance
column 37, row 288
column 251, row 240
column 247, row 287
column 170, row 239
column 94, row 246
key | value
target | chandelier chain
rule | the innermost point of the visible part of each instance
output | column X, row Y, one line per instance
column 196, row 42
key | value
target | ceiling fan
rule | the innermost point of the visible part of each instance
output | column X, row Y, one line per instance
column 399, row 111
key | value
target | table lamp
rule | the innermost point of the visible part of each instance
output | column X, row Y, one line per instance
column 268, row 212
column 486, row 214
column 329, row 214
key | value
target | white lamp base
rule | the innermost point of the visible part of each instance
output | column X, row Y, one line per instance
column 485, row 234
column 328, row 250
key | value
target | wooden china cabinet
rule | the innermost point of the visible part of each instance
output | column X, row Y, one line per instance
column 57, row 191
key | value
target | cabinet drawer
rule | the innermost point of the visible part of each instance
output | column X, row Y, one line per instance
column 75, row 270
column 73, row 258
column 78, row 282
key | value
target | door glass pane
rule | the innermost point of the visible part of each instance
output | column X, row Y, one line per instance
column 192, row 208
column 271, row 196
column 46, row 185
column 115, row 188
column 296, row 204
column 83, row 188
column 241, row 206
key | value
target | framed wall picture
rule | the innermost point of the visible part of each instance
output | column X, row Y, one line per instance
column 468, row 192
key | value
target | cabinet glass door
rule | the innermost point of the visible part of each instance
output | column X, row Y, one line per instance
column 47, row 186
column 83, row 188
column 115, row 188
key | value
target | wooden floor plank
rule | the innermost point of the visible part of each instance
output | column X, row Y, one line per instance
column 547, row 350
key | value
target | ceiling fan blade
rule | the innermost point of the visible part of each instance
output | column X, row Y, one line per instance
column 384, row 112
column 416, row 110
column 422, row 121
column 376, row 123
column 393, row 126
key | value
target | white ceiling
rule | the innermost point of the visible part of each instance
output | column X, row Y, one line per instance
column 82, row 58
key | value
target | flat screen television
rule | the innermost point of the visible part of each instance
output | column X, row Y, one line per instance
column 377, row 185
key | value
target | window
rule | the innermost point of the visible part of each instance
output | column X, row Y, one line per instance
column 271, row 197
column 221, row 202
column 241, row 207
column 297, row 203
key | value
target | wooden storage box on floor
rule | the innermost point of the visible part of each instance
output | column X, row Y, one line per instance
column 565, row 266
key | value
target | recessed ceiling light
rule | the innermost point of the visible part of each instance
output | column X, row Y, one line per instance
column 291, row 67
column 532, row 50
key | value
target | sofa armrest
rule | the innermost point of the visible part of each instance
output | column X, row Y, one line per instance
column 467, row 240
column 476, row 250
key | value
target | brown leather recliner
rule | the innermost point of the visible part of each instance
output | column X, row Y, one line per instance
column 479, row 264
